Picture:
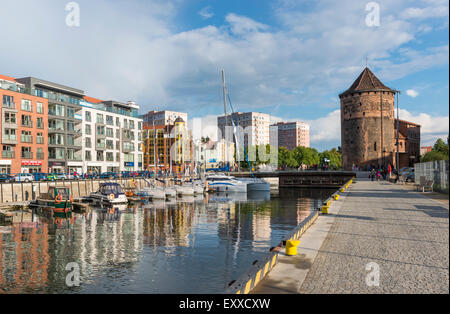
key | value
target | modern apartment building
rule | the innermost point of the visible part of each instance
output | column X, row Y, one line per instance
column 167, row 131
column 111, row 136
column 255, row 125
column 24, row 139
column 64, row 137
column 293, row 134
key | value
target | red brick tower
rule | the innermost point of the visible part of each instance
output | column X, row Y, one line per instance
column 367, row 127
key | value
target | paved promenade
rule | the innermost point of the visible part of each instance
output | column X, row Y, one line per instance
column 403, row 232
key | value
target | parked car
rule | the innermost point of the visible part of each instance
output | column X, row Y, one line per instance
column 6, row 178
column 40, row 176
column 24, row 177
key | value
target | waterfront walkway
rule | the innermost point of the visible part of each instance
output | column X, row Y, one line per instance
column 405, row 233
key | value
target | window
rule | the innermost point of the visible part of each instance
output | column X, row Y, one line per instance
column 39, row 107
column 131, row 124
column 99, row 118
column 70, row 112
column 8, row 101
column 109, row 120
column 56, row 139
column 109, row 156
column 117, row 133
column 26, row 105
column 117, row 156
column 125, row 123
column 99, row 156
column 39, row 123
column 88, row 129
column 8, row 151
column 100, row 130
column 10, row 135
column 26, row 137
column 56, row 153
column 100, row 143
column 56, row 110
column 27, row 121
column 39, row 153
column 88, row 155
column 39, row 138
column 26, row 152
column 109, row 144
column 87, row 116
column 10, row 118
column 56, row 125
column 88, row 142
column 117, row 122
column 70, row 140
column 375, row 146
column 70, row 126
column 109, row 132
column 117, row 145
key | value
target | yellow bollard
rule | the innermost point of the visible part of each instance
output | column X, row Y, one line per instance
column 325, row 209
column 336, row 197
column 291, row 247
column 343, row 190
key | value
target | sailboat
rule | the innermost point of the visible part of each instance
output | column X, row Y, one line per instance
column 253, row 183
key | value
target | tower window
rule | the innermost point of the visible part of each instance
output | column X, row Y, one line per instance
column 375, row 146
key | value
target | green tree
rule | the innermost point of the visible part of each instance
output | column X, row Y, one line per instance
column 433, row 155
column 441, row 147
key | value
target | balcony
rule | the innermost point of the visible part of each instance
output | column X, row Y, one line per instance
column 40, row 156
column 9, row 139
column 39, row 140
column 8, row 154
column 26, row 139
column 100, row 146
column 27, row 155
column 27, row 124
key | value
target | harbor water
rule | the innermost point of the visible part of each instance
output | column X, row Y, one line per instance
column 190, row 245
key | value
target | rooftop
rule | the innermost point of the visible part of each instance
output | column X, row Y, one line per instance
column 366, row 81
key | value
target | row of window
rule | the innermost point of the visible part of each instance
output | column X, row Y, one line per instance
column 25, row 104
column 108, row 156
column 26, row 120
column 127, row 124
column 26, row 136
column 26, row 152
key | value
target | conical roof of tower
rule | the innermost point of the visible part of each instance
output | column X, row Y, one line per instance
column 367, row 81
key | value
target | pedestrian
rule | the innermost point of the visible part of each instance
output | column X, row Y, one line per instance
column 378, row 175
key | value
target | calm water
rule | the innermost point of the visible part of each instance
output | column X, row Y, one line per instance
column 197, row 245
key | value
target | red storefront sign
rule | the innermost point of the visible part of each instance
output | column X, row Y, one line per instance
column 31, row 163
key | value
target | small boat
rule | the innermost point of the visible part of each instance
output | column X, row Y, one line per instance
column 224, row 183
column 153, row 193
column 196, row 185
column 184, row 190
column 111, row 193
column 58, row 199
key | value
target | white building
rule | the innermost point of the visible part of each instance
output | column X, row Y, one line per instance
column 255, row 127
column 214, row 153
column 111, row 136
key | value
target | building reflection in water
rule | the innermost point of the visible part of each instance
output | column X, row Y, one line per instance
column 111, row 244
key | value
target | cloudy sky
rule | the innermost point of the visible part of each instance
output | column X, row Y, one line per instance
column 288, row 58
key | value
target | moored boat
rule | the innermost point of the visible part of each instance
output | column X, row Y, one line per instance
column 111, row 193
column 57, row 199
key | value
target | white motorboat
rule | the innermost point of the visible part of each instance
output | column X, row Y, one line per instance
column 197, row 186
column 109, row 193
column 151, row 193
column 224, row 183
column 184, row 190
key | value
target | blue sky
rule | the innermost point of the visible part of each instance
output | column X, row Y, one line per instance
column 288, row 58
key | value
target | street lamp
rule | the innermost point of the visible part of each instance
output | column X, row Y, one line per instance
column 398, row 130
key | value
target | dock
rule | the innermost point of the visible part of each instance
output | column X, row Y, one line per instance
column 379, row 237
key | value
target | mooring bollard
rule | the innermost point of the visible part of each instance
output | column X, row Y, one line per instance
column 336, row 197
column 325, row 209
column 342, row 190
column 291, row 247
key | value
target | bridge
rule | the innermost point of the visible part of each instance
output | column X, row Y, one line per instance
column 307, row 179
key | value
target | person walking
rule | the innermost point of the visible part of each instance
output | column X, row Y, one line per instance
column 378, row 175
column 372, row 174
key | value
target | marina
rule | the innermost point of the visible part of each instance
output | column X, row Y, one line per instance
column 190, row 243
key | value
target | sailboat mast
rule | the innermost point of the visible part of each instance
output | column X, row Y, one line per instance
column 226, row 118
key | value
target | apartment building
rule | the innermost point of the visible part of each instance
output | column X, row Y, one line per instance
column 293, row 134
column 111, row 136
column 64, row 137
column 214, row 154
column 255, row 126
column 24, row 129
column 167, row 132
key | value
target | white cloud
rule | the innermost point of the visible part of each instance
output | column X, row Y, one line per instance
column 206, row 13
column 147, row 58
column 412, row 93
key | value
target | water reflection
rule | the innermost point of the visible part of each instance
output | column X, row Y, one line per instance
column 189, row 245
